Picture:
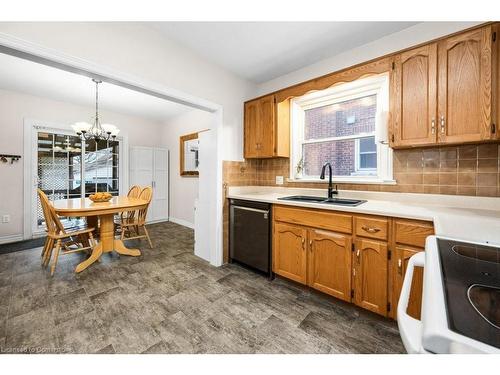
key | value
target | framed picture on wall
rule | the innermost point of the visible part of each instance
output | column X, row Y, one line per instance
column 188, row 148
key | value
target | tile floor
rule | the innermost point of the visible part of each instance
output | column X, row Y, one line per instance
column 169, row 301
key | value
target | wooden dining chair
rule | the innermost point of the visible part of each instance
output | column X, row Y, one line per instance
column 59, row 239
column 137, row 220
column 133, row 192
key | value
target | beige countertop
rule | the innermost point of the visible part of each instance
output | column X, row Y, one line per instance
column 460, row 217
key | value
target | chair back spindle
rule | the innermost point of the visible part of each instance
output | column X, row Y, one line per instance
column 146, row 194
column 52, row 221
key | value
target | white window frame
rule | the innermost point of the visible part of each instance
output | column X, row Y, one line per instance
column 374, row 85
column 357, row 158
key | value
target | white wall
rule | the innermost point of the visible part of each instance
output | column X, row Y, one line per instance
column 411, row 36
column 15, row 107
column 183, row 190
column 136, row 49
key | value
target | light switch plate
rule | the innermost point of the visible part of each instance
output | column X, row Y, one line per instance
column 6, row 219
column 279, row 180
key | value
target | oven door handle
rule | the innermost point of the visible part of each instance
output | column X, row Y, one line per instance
column 410, row 328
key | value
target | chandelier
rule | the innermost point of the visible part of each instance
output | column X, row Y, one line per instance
column 96, row 131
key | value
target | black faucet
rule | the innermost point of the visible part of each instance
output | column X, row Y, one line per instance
column 331, row 191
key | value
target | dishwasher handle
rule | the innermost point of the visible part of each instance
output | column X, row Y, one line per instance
column 265, row 212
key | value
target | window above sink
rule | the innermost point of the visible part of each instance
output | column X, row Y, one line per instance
column 345, row 126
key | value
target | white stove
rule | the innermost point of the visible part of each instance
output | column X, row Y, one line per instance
column 461, row 299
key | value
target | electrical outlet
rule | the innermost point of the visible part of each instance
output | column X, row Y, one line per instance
column 6, row 219
column 279, row 180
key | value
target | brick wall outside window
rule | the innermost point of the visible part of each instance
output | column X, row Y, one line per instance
column 333, row 121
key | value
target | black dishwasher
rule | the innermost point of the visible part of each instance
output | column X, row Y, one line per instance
column 250, row 234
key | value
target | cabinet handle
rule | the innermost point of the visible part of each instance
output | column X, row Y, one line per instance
column 400, row 266
column 442, row 124
column 370, row 230
column 357, row 255
column 303, row 243
column 433, row 126
column 354, row 272
column 311, row 245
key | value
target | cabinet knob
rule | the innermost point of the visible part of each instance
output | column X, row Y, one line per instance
column 433, row 126
column 442, row 124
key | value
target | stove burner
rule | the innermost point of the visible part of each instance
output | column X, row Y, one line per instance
column 478, row 252
column 485, row 299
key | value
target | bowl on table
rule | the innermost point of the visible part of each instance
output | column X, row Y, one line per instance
column 100, row 197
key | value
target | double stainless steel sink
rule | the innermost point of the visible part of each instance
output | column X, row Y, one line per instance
column 322, row 200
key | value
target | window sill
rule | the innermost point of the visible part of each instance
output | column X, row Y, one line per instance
column 340, row 180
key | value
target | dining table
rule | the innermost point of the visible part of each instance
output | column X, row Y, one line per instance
column 104, row 213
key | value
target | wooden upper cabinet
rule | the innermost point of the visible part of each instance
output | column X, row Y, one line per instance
column 260, row 121
column 330, row 263
column 370, row 275
column 403, row 255
column 289, row 252
column 414, row 97
column 252, row 129
column 465, row 87
column 446, row 92
column 267, row 128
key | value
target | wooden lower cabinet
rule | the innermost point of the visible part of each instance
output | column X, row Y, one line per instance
column 289, row 251
column 370, row 275
column 402, row 256
column 315, row 248
column 329, row 263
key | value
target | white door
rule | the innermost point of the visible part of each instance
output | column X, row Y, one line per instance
column 149, row 167
column 160, row 185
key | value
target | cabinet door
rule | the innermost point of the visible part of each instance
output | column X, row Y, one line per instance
column 267, row 124
column 252, row 129
column 370, row 275
column 465, row 87
column 414, row 95
column 330, row 263
column 289, row 252
column 403, row 255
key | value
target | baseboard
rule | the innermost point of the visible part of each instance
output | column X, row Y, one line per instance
column 11, row 238
column 184, row 223
column 157, row 221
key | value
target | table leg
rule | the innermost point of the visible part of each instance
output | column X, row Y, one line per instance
column 96, row 254
column 107, row 243
column 121, row 249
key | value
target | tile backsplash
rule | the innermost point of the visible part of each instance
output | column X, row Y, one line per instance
column 462, row 170
column 458, row 170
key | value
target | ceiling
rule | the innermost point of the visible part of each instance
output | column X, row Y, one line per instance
column 261, row 51
column 40, row 80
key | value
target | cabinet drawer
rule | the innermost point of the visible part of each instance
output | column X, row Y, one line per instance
column 371, row 227
column 314, row 218
column 412, row 233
